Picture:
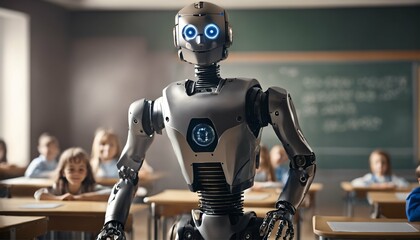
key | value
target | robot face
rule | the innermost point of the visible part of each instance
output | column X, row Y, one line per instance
column 210, row 32
column 202, row 33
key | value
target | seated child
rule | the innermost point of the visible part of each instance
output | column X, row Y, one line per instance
column 44, row 165
column 105, row 153
column 74, row 180
column 264, row 176
column 413, row 201
column 381, row 175
column 280, row 162
column 8, row 170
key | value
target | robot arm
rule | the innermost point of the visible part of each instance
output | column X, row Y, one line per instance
column 302, row 166
column 275, row 106
column 144, row 118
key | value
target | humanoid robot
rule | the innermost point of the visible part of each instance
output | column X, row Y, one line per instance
column 214, row 125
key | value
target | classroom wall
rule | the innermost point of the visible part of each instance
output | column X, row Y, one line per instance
column 49, row 76
column 88, row 66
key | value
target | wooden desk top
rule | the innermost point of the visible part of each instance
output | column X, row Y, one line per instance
column 387, row 204
column 27, row 182
column 16, row 227
column 65, row 215
column 262, row 198
column 21, row 206
column 47, row 182
column 360, row 192
column 171, row 202
column 348, row 187
column 385, row 197
column 315, row 187
column 321, row 228
column 175, row 197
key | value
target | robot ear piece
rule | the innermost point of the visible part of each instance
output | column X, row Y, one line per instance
column 229, row 37
column 175, row 38
column 225, row 53
column 180, row 55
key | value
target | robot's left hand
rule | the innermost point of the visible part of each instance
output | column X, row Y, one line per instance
column 284, row 214
column 112, row 230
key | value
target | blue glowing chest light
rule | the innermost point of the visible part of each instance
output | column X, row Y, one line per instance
column 203, row 135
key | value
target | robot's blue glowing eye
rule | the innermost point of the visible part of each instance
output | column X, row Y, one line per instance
column 203, row 135
column 189, row 32
column 211, row 31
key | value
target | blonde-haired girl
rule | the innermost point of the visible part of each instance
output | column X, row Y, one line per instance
column 74, row 180
column 105, row 152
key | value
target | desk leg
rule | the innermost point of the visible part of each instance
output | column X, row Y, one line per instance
column 155, row 221
column 149, row 224
column 13, row 234
column 375, row 211
column 350, row 202
column 164, row 226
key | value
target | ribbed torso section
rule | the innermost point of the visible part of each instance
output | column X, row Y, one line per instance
column 213, row 191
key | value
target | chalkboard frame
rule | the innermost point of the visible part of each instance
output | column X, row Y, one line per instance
column 346, row 56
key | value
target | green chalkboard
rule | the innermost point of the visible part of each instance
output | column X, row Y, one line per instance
column 345, row 109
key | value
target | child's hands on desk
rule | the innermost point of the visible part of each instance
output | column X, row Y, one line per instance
column 66, row 197
column 386, row 185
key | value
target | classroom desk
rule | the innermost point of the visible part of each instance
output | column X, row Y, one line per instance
column 26, row 187
column 357, row 193
column 173, row 202
column 23, row 186
column 323, row 230
column 387, row 204
column 84, row 216
column 17, row 227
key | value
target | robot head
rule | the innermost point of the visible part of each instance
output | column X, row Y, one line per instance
column 202, row 33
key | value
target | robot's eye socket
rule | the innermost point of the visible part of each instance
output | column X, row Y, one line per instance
column 189, row 32
column 203, row 135
column 211, row 31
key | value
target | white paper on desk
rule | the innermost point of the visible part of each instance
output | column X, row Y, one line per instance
column 371, row 227
column 41, row 205
column 401, row 195
column 256, row 196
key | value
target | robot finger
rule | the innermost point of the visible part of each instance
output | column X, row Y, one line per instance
column 264, row 225
column 280, row 229
column 291, row 230
column 287, row 234
column 273, row 221
column 119, row 237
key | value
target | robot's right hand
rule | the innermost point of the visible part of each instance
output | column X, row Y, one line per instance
column 284, row 214
column 112, row 230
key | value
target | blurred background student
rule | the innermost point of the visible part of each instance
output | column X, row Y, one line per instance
column 44, row 165
column 413, row 201
column 280, row 162
column 106, row 150
column 74, row 180
column 8, row 170
column 3, row 152
column 381, row 173
column 264, row 175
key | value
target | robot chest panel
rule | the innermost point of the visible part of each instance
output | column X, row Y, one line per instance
column 223, row 110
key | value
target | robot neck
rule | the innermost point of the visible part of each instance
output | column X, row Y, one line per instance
column 208, row 76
